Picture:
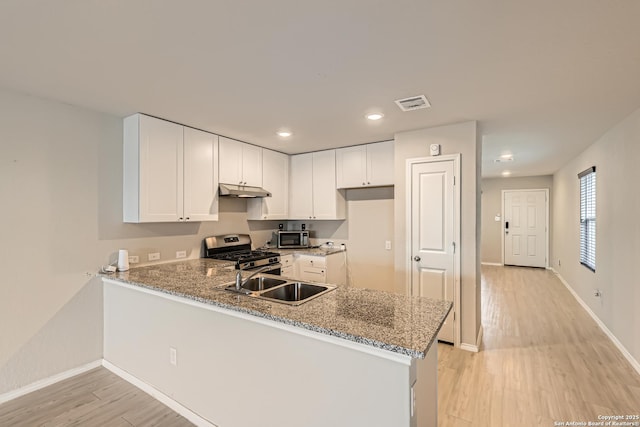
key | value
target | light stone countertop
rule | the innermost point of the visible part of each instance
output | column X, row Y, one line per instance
column 309, row 251
column 393, row 322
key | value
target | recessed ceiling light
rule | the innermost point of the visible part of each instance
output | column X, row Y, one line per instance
column 506, row 173
column 284, row 133
column 507, row 156
column 375, row 116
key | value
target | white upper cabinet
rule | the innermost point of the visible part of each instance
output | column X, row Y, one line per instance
column 275, row 179
column 369, row 165
column 200, row 175
column 240, row 163
column 313, row 193
column 169, row 172
column 301, row 187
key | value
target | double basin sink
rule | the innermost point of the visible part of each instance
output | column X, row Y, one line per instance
column 276, row 289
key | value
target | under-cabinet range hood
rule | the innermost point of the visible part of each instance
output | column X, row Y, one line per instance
column 231, row 190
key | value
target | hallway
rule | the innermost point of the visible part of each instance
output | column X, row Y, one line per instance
column 543, row 360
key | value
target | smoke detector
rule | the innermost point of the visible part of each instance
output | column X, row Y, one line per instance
column 413, row 103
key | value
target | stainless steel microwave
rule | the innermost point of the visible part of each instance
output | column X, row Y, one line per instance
column 293, row 239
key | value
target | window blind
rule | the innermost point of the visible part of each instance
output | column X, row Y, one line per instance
column 588, row 218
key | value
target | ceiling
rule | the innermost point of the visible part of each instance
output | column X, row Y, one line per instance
column 544, row 78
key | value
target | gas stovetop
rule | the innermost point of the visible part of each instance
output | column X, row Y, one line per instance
column 245, row 256
column 237, row 248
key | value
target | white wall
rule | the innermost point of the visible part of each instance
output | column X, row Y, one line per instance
column 616, row 156
column 458, row 138
column 61, row 219
column 492, row 205
column 370, row 223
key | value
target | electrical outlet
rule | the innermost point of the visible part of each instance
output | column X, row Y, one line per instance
column 181, row 254
column 134, row 259
column 387, row 245
column 173, row 356
column 154, row 256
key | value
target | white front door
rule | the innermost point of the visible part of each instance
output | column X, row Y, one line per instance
column 433, row 234
column 525, row 227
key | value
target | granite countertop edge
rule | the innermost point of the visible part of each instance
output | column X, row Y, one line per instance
column 326, row 331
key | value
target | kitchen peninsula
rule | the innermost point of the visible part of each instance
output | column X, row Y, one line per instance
column 351, row 357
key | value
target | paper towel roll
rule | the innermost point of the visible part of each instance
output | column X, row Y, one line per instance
column 123, row 260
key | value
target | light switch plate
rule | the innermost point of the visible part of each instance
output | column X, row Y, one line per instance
column 435, row 149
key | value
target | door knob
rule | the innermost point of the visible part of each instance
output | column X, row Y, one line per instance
column 416, row 258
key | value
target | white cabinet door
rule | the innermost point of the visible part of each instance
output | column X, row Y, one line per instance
column 380, row 163
column 369, row 165
column 240, row 163
column 301, row 187
column 200, row 177
column 158, row 144
column 230, row 162
column 351, row 166
column 275, row 179
column 328, row 203
column 169, row 172
column 252, row 165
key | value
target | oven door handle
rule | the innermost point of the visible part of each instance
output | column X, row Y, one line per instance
column 263, row 267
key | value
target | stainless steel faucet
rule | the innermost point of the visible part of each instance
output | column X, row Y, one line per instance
column 240, row 283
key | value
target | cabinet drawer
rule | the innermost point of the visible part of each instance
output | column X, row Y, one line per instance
column 312, row 261
column 286, row 261
column 312, row 274
column 288, row 272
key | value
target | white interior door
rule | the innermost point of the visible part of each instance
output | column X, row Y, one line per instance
column 433, row 234
column 525, row 227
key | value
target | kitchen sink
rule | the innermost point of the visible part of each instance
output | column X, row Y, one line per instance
column 272, row 288
column 294, row 292
column 261, row 283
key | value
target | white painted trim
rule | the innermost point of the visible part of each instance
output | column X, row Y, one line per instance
column 634, row 363
column 342, row 342
column 474, row 348
column 548, row 226
column 158, row 395
column 497, row 264
column 14, row 394
column 457, row 286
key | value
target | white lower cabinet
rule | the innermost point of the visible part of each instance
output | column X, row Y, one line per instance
column 288, row 268
column 329, row 269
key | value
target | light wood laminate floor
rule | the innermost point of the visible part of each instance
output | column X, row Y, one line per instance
column 543, row 360
column 97, row 398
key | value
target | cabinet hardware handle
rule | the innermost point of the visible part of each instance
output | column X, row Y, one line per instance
column 364, row 183
column 368, row 183
column 416, row 258
column 187, row 218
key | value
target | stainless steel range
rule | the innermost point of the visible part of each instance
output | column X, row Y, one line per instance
column 237, row 248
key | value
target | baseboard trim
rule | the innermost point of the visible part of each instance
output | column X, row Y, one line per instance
column 14, row 394
column 497, row 264
column 634, row 363
column 471, row 347
column 158, row 395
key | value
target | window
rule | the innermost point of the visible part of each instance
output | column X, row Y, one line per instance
column 588, row 218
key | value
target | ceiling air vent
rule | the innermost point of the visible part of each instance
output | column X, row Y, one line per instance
column 413, row 103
